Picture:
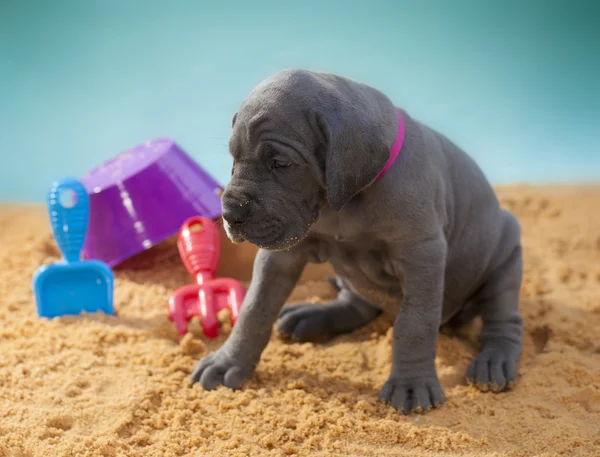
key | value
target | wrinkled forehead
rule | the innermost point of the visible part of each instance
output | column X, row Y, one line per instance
column 269, row 115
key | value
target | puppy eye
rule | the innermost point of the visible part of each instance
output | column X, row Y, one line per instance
column 277, row 163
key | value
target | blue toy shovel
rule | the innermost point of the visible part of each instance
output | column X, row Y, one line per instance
column 71, row 286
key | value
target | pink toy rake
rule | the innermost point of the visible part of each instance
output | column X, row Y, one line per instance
column 199, row 247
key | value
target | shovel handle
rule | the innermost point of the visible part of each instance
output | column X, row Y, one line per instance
column 68, row 209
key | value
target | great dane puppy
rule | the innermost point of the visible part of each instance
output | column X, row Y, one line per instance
column 419, row 233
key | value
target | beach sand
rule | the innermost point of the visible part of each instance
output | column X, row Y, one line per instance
column 118, row 386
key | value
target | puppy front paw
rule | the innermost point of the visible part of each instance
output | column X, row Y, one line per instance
column 221, row 368
column 414, row 394
column 494, row 368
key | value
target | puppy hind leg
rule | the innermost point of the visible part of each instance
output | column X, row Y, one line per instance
column 308, row 322
column 495, row 367
column 464, row 317
column 336, row 282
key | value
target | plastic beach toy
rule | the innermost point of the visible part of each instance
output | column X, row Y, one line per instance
column 71, row 286
column 142, row 196
column 199, row 247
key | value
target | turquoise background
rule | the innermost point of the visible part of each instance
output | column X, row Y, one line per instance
column 516, row 83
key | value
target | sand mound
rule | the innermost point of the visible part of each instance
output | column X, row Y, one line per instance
column 118, row 386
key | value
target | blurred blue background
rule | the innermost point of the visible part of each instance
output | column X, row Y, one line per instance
column 515, row 83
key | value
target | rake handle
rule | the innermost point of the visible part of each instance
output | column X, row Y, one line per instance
column 199, row 247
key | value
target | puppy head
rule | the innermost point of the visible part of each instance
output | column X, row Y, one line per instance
column 301, row 141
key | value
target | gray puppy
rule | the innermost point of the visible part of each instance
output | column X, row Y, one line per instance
column 427, row 241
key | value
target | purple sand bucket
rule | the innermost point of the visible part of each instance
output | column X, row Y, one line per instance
column 142, row 196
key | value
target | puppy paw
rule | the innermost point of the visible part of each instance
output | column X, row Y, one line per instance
column 493, row 369
column 220, row 368
column 305, row 322
column 413, row 395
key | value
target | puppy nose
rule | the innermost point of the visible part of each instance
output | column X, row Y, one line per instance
column 236, row 213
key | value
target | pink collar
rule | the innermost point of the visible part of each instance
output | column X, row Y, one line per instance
column 395, row 147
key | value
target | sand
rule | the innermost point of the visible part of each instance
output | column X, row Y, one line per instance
column 118, row 386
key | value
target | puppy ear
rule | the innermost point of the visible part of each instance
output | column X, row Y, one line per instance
column 233, row 120
column 355, row 153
